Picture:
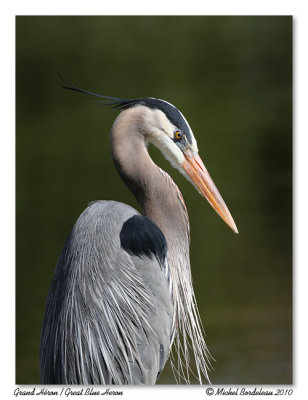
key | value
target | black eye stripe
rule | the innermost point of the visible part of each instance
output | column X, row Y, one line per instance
column 171, row 112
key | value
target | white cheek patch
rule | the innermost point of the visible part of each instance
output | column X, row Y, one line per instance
column 168, row 148
column 172, row 153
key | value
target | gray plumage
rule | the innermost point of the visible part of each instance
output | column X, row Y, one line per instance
column 103, row 332
column 122, row 292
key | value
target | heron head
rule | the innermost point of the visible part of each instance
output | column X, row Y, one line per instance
column 165, row 126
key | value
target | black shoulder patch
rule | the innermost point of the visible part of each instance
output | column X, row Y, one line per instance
column 141, row 237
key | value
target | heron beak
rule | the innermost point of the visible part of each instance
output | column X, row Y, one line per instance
column 197, row 172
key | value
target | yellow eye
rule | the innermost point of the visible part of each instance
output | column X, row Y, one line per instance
column 178, row 135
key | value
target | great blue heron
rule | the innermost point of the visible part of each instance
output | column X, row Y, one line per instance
column 122, row 291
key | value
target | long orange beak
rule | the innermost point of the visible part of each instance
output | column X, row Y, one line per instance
column 197, row 172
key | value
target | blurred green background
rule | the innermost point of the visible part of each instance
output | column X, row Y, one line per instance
column 232, row 79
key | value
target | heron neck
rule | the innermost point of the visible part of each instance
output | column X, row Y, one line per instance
column 159, row 197
column 164, row 205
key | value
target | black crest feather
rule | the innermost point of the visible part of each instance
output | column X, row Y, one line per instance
column 115, row 102
column 172, row 113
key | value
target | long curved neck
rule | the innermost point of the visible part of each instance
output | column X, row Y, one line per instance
column 157, row 194
column 162, row 202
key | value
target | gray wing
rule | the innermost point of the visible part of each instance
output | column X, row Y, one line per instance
column 108, row 316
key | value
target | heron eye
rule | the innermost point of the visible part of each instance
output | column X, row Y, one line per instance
column 178, row 135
